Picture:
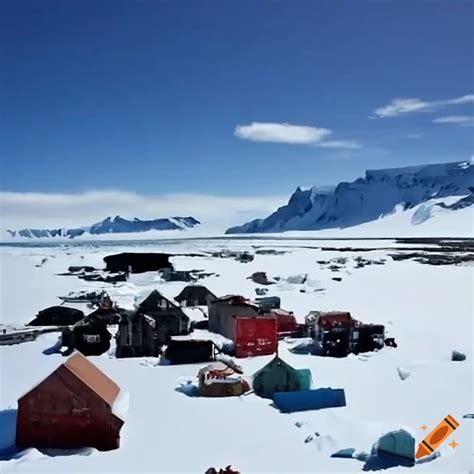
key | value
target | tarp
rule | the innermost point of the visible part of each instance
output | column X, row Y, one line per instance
column 304, row 376
column 400, row 443
column 289, row 402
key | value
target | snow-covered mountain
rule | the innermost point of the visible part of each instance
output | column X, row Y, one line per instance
column 380, row 193
column 116, row 225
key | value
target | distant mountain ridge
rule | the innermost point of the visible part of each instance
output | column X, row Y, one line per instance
column 368, row 198
column 111, row 225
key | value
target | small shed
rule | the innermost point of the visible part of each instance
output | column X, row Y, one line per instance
column 57, row 316
column 367, row 337
column 220, row 380
column 195, row 295
column 142, row 332
column 276, row 376
column 137, row 336
column 222, row 312
column 91, row 337
column 189, row 351
column 162, row 310
column 71, row 408
column 286, row 321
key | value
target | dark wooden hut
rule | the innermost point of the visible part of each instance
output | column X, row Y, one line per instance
column 195, row 295
column 105, row 315
column 57, row 316
column 71, row 408
column 137, row 262
column 189, row 351
column 91, row 337
column 143, row 332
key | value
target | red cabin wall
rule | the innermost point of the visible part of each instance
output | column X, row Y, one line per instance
column 255, row 336
column 342, row 320
column 63, row 412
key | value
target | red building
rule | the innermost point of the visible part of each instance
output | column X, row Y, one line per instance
column 286, row 321
column 335, row 319
column 71, row 408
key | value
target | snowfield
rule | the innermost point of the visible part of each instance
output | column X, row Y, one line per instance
column 427, row 309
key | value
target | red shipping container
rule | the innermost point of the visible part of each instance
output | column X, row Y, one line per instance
column 255, row 336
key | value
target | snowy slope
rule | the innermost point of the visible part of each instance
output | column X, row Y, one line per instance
column 427, row 309
column 366, row 199
column 433, row 218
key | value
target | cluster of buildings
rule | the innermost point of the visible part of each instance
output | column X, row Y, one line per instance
column 76, row 405
column 161, row 327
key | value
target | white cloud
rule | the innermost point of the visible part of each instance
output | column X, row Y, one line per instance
column 291, row 134
column 404, row 106
column 281, row 133
column 463, row 120
column 414, row 136
column 45, row 210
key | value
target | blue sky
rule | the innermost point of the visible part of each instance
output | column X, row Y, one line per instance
column 161, row 98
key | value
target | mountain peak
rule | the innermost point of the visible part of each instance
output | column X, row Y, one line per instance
column 112, row 226
column 365, row 199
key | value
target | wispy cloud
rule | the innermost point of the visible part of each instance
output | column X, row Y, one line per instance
column 463, row 120
column 405, row 106
column 45, row 210
column 291, row 134
column 349, row 144
column 414, row 136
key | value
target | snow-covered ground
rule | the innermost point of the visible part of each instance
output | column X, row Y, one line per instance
column 428, row 309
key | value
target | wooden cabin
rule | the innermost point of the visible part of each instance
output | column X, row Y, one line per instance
column 71, row 408
column 144, row 331
column 223, row 311
column 195, row 295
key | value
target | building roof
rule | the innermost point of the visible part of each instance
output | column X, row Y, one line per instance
column 276, row 361
column 152, row 301
column 194, row 291
column 93, row 377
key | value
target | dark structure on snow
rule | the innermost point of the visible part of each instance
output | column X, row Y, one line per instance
column 195, row 295
column 137, row 262
column 71, row 408
column 143, row 332
column 106, row 316
column 90, row 337
column 189, row 351
column 57, row 316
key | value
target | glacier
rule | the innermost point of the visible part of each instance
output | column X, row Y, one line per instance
column 379, row 193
